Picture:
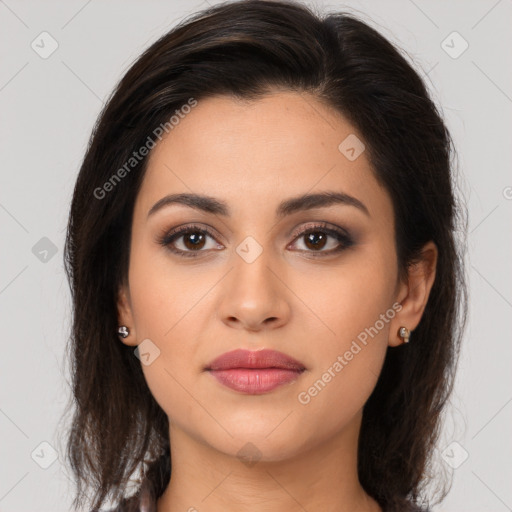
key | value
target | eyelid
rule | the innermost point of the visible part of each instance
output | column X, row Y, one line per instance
column 186, row 227
column 164, row 237
column 319, row 225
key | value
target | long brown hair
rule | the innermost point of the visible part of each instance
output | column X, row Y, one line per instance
column 245, row 49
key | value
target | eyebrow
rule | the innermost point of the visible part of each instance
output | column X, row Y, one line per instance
column 287, row 207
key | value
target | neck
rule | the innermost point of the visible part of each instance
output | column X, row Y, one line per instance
column 320, row 477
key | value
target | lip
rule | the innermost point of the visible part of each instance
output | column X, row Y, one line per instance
column 255, row 359
column 255, row 372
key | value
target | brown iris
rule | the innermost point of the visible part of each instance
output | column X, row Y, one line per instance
column 316, row 240
column 196, row 240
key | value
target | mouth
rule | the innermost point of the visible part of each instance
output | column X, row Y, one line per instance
column 255, row 372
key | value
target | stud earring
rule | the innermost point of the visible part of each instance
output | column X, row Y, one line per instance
column 404, row 333
column 123, row 331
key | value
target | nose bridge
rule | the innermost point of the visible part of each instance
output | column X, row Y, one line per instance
column 252, row 276
column 254, row 296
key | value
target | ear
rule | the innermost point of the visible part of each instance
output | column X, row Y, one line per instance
column 125, row 315
column 413, row 294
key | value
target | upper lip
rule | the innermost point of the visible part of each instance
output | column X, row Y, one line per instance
column 255, row 359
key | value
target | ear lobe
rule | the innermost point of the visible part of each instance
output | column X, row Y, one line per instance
column 415, row 292
column 125, row 315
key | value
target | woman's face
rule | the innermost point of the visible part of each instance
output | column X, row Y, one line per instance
column 265, row 276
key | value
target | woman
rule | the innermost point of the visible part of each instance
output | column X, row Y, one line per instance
column 268, row 295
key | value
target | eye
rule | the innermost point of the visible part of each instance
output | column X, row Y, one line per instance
column 315, row 239
column 194, row 240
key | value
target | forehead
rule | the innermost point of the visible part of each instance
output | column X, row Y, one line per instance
column 254, row 153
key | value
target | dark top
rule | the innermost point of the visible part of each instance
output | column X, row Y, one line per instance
column 144, row 501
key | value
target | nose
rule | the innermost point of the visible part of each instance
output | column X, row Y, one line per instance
column 254, row 297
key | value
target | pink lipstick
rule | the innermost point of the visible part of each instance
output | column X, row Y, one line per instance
column 255, row 372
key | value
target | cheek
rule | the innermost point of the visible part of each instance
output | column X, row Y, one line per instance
column 353, row 306
column 171, row 308
column 171, row 314
column 173, row 374
column 348, row 298
column 347, row 361
column 164, row 295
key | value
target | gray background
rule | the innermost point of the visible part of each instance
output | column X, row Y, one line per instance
column 48, row 107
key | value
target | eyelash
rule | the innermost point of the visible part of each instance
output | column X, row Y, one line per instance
column 341, row 236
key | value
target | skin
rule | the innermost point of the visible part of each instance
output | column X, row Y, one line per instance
column 252, row 155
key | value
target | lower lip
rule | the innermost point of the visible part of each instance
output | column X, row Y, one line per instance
column 255, row 381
